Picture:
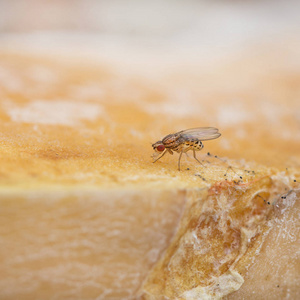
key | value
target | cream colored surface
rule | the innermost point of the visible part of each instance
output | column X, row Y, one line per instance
column 86, row 215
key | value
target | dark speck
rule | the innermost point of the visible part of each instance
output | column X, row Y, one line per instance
column 277, row 285
column 295, row 180
column 269, row 203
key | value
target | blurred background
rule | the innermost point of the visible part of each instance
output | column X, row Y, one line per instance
column 165, row 30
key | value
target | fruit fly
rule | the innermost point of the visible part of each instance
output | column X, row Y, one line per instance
column 185, row 140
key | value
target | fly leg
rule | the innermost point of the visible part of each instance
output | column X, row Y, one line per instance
column 179, row 159
column 183, row 150
column 194, row 153
column 160, row 156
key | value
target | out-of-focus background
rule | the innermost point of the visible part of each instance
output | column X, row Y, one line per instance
column 174, row 32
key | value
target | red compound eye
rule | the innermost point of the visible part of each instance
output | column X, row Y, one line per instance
column 160, row 148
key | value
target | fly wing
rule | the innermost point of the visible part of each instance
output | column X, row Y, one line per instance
column 200, row 133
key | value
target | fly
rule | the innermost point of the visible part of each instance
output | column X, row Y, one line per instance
column 185, row 140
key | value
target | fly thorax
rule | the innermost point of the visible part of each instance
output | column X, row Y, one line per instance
column 170, row 140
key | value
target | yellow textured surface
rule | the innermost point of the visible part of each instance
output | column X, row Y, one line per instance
column 85, row 213
column 60, row 121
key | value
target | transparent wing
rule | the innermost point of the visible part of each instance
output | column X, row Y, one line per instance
column 200, row 133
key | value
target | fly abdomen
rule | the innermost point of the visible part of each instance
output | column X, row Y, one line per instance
column 195, row 144
column 198, row 145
